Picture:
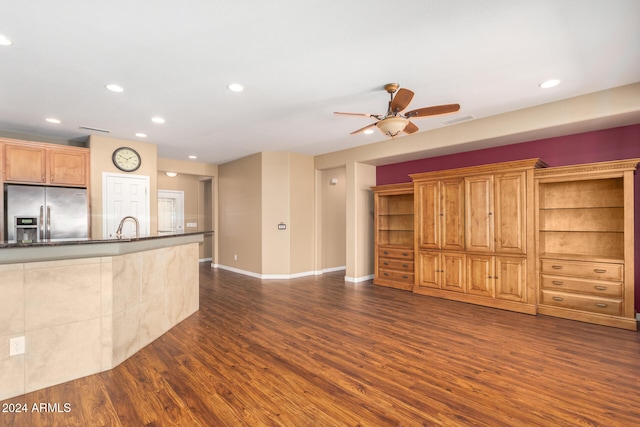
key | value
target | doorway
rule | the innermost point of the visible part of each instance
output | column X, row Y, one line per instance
column 170, row 212
column 124, row 195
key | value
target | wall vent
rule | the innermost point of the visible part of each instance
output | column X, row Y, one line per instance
column 95, row 129
column 458, row 120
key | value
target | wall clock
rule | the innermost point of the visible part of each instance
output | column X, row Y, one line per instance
column 126, row 159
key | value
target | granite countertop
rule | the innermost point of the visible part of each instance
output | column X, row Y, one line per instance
column 89, row 241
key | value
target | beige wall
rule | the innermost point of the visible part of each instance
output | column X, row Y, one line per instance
column 333, row 222
column 256, row 194
column 240, row 219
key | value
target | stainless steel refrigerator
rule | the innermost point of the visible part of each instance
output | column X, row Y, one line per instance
column 36, row 213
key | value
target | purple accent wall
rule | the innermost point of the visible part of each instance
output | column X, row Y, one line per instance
column 597, row 146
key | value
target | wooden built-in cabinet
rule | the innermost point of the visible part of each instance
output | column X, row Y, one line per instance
column 517, row 236
column 44, row 164
column 394, row 256
column 585, row 234
column 472, row 243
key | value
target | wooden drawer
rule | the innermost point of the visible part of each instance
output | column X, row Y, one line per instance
column 395, row 264
column 583, row 286
column 592, row 270
column 396, row 276
column 582, row 302
column 395, row 253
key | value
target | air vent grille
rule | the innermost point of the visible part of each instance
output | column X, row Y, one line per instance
column 459, row 119
column 95, row 129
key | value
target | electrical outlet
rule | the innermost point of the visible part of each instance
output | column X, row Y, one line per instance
column 235, row 257
column 16, row 346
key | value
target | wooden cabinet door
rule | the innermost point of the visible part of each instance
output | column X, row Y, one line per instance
column 479, row 213
column 427, row 208
column 452, row 214
column 24, row 164
column 511, row 278
column 429, row 269
column 68, row 168
column 480, row 275
column 453, row 271
column 510, row 208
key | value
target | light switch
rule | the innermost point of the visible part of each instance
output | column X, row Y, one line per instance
column 192, row 225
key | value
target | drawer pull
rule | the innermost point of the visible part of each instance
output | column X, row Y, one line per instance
column 601, row 304
column 405, row 277
column 601, row 288
column 386, row 252
column 405, row 254
column 600, row 270
column 556, row 267
column 405, row 265
column 558, row 299
column 385, row 263
column 385, row 274
column 557, row 282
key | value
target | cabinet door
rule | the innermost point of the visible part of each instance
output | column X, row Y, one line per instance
column 24, row 164
column 452, row 211
column 429, row 270
column 428, row 211
column 510, row 220
column 68, row 168
column 511, row 278
column 480, row 275
column 453, row 271
column 479, row 213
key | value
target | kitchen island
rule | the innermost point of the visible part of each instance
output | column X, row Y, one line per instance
column 85, row 306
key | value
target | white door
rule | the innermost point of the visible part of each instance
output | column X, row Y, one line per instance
column 125, row 195
column 170, row 212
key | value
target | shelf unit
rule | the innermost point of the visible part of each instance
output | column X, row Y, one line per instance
column 394, row 264
column 585, row 245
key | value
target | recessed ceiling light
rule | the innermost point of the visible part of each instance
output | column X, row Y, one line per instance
column 115, row 88
column 193, row 157
column 52, row 120
column 368, row 131
column 549, row 83
column 4, row 41
column 157, row 120
column 235, row 87
column 141, row 135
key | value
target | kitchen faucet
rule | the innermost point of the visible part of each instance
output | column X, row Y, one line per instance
column 119, row 230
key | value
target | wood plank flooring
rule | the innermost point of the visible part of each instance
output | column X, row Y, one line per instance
column 321, row 352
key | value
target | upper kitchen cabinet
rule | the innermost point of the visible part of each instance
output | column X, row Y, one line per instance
column 45, row 164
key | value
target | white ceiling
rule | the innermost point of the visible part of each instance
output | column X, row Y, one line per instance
column 299, row 61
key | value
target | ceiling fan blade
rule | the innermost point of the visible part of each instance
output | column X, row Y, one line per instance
column 357, row 114
column 433, row 111
column 410, row 128
column 401, row 100
column 363, row 129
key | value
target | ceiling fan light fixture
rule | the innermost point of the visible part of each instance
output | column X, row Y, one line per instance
column 392, row 126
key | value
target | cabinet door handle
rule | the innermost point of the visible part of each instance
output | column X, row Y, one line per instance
column 558, row 299
column 490, row 213
column 556, row 267
column 601, row 304
column 601, row 288
column 557, row 282
column 599, row 270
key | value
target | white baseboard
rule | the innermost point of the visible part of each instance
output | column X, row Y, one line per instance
column 277, row 276
column 638, row 317
column 358, row 279
column 204, row 259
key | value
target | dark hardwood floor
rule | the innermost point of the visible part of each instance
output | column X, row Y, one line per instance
column 321, row 352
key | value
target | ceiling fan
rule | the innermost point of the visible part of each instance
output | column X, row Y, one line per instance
column 394, row 121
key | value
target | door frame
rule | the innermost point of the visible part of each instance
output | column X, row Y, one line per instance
column 179, row 196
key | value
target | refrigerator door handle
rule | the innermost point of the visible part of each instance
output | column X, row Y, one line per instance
column 41, row 223
column 48, row 222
